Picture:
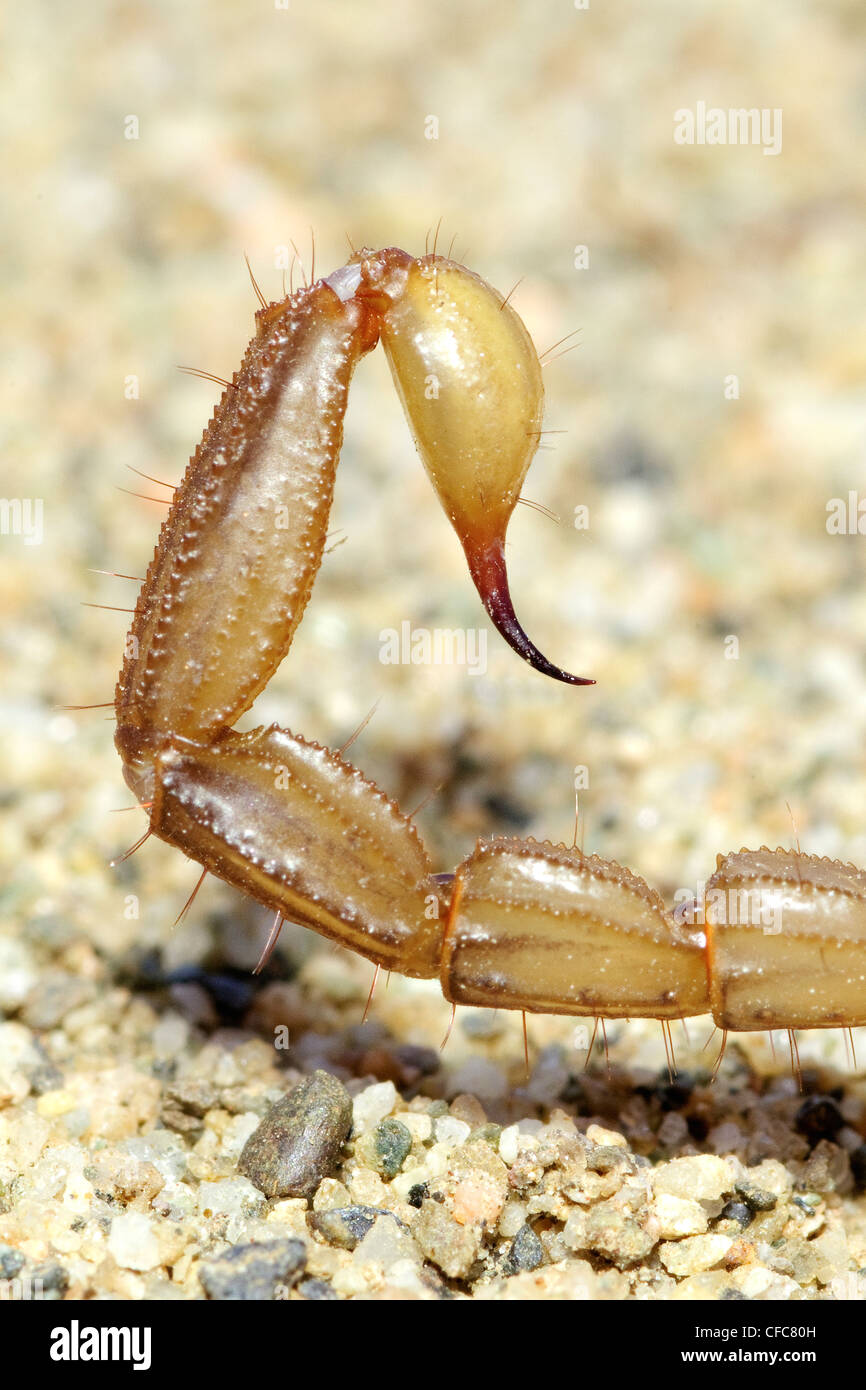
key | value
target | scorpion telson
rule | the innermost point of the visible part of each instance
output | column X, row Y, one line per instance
column 521, row 924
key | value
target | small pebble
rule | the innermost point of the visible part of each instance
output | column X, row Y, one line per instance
column 606, row 1138
column 478, row 1185
column 300, row 1139
column 755, row 1197
column 345, row 1227
column 416, row 1061
column 254, row 1272
column 132, row 1241
column 51, row 1279
column 372, row 1105
column 694, row 1255
column 229, row 1197
column 56, row 995
column 479, row 1077
column 387, row 1243
column 454, row 1248
column 725, row 1138
column 193, row 1002
column 193, row 1097
column 549, row 1076
column 331, row 1194
column 420, row 1126
column 617, row 1236
column 742, row 1252
column 451, row 1131
column 736, row 1211
column 45, row 1078
column 489, row 1133
column 470, row 1110
column 526, row 1251
column 705, row 1177
column 673, row 1130
column 819, row 1117
column 170, row 1036
column 604, row 1158
column 610, row 1232
column 366, row 1188
column 706, row 1287
column 11, row 1262
column 827, row 1169
column 675, row 1217
column 392, row 1144
column 317, row 1290
column 513, row 1216
column 19, row 974
column 771, row 1176
column 509, row 1144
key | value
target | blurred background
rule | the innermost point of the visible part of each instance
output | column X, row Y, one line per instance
column 712, row 406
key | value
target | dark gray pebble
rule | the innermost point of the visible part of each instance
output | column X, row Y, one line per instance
column 736, row 1211
column 755, row 1197
column 253, row 1273
column 11, row 1261
column 526, row 1251
column 51, row 1278
column 299, row 1141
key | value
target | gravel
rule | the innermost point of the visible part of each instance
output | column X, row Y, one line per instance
column 299, row 1141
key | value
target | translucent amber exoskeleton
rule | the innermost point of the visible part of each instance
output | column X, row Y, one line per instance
column 523, row 925
column 786, row 941
column 469, row 378
column 558, row 931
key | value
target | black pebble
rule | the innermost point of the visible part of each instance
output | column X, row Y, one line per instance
column 526, row 1251
column 818, row 1118
column 737, row 1211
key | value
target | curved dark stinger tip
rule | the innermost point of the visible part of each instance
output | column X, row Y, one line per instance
column 487, row 567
